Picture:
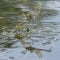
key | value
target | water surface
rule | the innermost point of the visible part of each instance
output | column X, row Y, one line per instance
column 45, row 33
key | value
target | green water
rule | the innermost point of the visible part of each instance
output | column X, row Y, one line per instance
column 41, row 36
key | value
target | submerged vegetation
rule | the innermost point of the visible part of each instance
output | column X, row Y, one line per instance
column 22, row 25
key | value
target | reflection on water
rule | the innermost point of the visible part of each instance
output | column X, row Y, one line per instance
column 21, row 36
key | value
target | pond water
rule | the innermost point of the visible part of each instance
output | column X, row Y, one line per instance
column 40, row 37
